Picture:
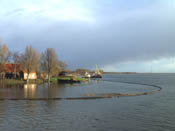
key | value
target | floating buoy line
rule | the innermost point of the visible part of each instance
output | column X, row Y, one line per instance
column 94, row 96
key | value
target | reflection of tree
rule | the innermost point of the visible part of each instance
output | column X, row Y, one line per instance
column 53, row 91
column 11, row 91
column 30, row 91
column 97, row 81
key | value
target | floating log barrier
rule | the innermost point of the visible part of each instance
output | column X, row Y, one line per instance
column 47, row 99
column 93, row 96
column 151, row 85
column 31, row 99
column 84, row 98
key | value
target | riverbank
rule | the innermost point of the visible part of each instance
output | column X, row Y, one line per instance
column 41, row 81
column 19, row 82
column 120, row 73
column 71, row 79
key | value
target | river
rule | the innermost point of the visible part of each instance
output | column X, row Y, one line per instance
column 153, row 112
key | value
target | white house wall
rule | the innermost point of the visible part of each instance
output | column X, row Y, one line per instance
column 32, row 76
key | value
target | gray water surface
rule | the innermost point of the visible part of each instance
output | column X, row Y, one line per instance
column 155, row 112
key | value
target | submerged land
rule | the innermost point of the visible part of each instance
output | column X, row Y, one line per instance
column 62, row 79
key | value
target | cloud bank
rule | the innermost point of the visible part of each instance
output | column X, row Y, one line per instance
column 85, row 33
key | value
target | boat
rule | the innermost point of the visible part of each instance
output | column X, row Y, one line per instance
column 96, row 76
column 69, row 79
column 87, row 75
column 97, row 73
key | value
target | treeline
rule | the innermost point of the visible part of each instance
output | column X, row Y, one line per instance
column 31, row 61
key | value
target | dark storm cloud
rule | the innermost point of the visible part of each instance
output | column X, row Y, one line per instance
column 120, row 35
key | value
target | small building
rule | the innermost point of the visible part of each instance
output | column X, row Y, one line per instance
column 43, row 75
column 32, row 76
column 15, row 71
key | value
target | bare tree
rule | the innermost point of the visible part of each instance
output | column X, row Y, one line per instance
column 16, row 60
column 29, row 60
column 4, row 58
column 62, row 65
column 49, row 62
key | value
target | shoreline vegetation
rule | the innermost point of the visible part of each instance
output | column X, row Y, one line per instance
column 41, row 81
column 31, row 66
column 20, row 82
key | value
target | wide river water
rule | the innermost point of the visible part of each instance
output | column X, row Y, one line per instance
column 151, row 112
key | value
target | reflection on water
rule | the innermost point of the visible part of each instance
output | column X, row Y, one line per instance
column 67, row 90
column 41, row 91
column 34, row 91
column 149, row 113
column 30, row 90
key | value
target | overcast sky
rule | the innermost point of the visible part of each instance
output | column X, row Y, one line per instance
column 118, row 35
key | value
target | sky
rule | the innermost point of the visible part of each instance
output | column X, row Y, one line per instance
column 117, row 35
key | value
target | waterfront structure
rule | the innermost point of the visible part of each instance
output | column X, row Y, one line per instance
column 87, row 75
column 97, row 73
column 31, row 76
column 15, row 71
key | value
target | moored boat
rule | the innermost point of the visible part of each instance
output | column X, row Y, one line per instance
column 97, row 73
column 87, row 75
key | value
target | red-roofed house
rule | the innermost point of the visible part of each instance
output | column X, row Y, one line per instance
column 12, row 70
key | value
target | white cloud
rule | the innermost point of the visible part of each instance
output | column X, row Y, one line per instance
column 49, row 10
column 163, row 65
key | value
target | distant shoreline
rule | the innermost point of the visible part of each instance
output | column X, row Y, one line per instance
column 138, row 73
column 119, row 72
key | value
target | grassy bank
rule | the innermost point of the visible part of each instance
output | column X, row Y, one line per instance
column 18, row 82
column 40, row 81
column 71, row 78
column 12, row 82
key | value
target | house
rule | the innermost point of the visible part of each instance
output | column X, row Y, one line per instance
column 43, row 75
column 15, row 71
column 32, row 75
